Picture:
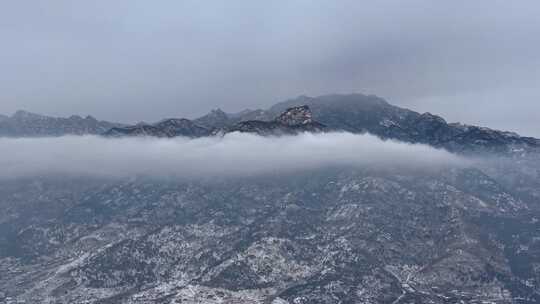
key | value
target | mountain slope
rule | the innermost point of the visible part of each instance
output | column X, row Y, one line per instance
column 324, row 236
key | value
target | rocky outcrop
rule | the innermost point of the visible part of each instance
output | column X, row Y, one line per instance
column 292, row 121
column 296, row 116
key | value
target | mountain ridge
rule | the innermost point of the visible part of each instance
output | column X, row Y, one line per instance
column 356, row 113
column 171, row 127
column 27, row 124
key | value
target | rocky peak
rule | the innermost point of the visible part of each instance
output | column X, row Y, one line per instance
column 295, row 116
column 293, row 121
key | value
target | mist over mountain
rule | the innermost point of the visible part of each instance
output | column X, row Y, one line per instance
column 329, row 199
column 154, row 152
column 235, row 154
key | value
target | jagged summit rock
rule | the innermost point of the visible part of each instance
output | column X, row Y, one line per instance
column 295, row 116
column 294, row 120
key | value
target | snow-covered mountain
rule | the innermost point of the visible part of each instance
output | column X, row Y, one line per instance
column 455, row 234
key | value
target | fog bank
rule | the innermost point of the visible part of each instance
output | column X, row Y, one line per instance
column 235, row 154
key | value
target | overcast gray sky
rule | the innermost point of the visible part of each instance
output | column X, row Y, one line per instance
column 128, row 60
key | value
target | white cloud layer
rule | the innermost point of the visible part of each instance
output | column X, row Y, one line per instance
column 233, row 155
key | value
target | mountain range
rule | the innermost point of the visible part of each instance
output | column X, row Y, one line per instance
column 26, row 124
column 450, row 234
column 354, row 113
